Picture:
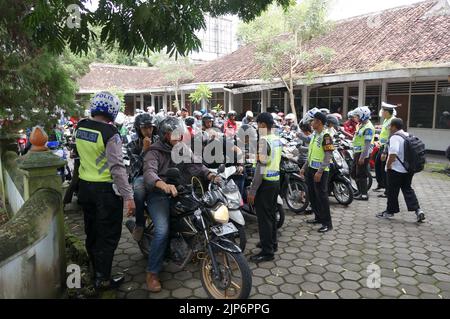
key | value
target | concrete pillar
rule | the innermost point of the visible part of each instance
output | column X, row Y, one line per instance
column 153, row 102
column 263, row 101
column 305, row 99
column 286, row 103
column 269, row 99
column 134, row 103
column 164, row 98
column 361, row 93
column 345, row 103
column 383, row 91
column 142, row 101
column 183, row 99
column 225, row 101
column 230, row 101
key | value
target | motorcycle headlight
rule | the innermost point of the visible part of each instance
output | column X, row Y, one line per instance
column 220, row 214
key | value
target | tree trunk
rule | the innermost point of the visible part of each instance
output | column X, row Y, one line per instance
column 291, row 89
column 177, row 104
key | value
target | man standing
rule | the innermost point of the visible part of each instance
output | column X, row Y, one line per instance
column 317, row 167
column 362, row 146
column 388, row 116
column 184, row 113
column 397, row 175
column 265, row 187
column 102, row 172
column 248, row 118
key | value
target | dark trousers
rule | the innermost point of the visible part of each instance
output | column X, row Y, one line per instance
column 265, row 206
column 103, row 215
column 380, row 172
column 318, row 196
column 395, row 182
column 360, row 173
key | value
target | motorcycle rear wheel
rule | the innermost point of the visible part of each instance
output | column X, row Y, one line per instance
column 298, row 199
column 227, row 287
column 343, row 192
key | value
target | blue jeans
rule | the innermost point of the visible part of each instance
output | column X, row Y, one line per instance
column 139, row 200
column 159, row 209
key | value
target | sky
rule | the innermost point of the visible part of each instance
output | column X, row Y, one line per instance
column 341, row 9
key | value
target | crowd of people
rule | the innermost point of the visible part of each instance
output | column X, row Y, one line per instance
column 106, row 186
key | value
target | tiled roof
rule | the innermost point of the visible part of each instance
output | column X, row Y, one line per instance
column 406, row 36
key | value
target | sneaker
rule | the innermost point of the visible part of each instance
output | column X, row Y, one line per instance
column 385, row 215
column 420, row 216
column 138, row 231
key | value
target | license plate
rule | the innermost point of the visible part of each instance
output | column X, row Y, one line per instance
column 225, row 229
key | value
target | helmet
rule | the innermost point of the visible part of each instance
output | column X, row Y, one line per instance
column 290, row 116
column 207, row 117
column 106, row 104
column 189, row 121
column 222, row 113
column 197, row 113
column 170, row 113
column 168, row 125
column 213, row 112
column 331, row 119
column 363, row 112
column 265, row 118
column 143, row 120
column 309, row 116
column 232, row 113
column 275, row 117
column 249, row 114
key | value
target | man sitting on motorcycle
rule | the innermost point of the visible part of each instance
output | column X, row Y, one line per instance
column 160, row 157
column 144, row 126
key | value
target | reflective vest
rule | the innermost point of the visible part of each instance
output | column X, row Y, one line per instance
column 272, row 169
column 384, row 135
column 316, row 153
column 359, row 140
column 91, row 138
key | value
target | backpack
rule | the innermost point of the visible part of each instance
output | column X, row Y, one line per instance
column 414, row 154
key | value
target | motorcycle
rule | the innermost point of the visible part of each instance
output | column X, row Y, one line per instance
column 339, row 184
column 234, row 203
column 198, row 232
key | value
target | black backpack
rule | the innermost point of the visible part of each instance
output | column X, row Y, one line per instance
column 414, row 154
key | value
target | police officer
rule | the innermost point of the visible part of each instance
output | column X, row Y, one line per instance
column 265, row 187
column 362, row 147
column 316, row 169
column 388, row 115
column 103, row 184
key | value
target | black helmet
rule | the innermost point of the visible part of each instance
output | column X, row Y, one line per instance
column 207, row 117
column 265, row 118
column 169, row 124
column 232, row 113
column 189, row 121
column 333, row 120
column 143, row 120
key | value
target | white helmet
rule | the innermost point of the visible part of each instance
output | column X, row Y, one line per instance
column 249, row 114
column 276, row 117
column 309, row 116
column 197, row 113
column 290, row 116
column 325, row 111
column 120, row 119
column 363, row 112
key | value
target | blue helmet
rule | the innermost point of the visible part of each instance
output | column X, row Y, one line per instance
column 106, row 104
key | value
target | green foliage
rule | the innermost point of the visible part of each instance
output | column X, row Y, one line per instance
column 203, row 92
column 217, row 108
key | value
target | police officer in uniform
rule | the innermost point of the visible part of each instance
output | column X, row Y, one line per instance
column 362, row 147
column 388, row 115
column 316, row 169
column 265, row 187
column 103, row 186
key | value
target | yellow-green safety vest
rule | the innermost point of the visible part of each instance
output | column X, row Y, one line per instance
column 272, row 169
column 384, row 135
column 316, row 153
column 92, row 151
column 358, row 139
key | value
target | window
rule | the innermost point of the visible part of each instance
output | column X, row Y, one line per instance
column 352, row 98
column 277, row 101
column 421, row 111
column 217, row 98
column 443, row 112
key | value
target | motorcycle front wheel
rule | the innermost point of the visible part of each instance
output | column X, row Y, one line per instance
column 343, row 192
column 280, row 215
column 297, row 197
column 235, row 277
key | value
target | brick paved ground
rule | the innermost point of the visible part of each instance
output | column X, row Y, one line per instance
column 414, row 259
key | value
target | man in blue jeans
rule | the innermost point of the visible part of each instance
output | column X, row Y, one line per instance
column 144, row 126
column 156, row 163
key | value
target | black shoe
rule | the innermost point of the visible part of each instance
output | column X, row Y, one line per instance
column 362, row 197
column 420, row 216
column 308, row 212
column 313, row 221
column 261, row 258
column 384, row 215
column 275, row 247
column 324, row 229
column 113, row 283
column 382, row 196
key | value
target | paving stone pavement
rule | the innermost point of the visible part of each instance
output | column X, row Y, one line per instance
column 414, row 259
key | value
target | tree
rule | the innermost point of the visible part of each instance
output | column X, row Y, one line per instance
column 176, row 71
column 280, row 37
column 202, row 93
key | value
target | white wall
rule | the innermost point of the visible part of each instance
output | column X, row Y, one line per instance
column 435, row 140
